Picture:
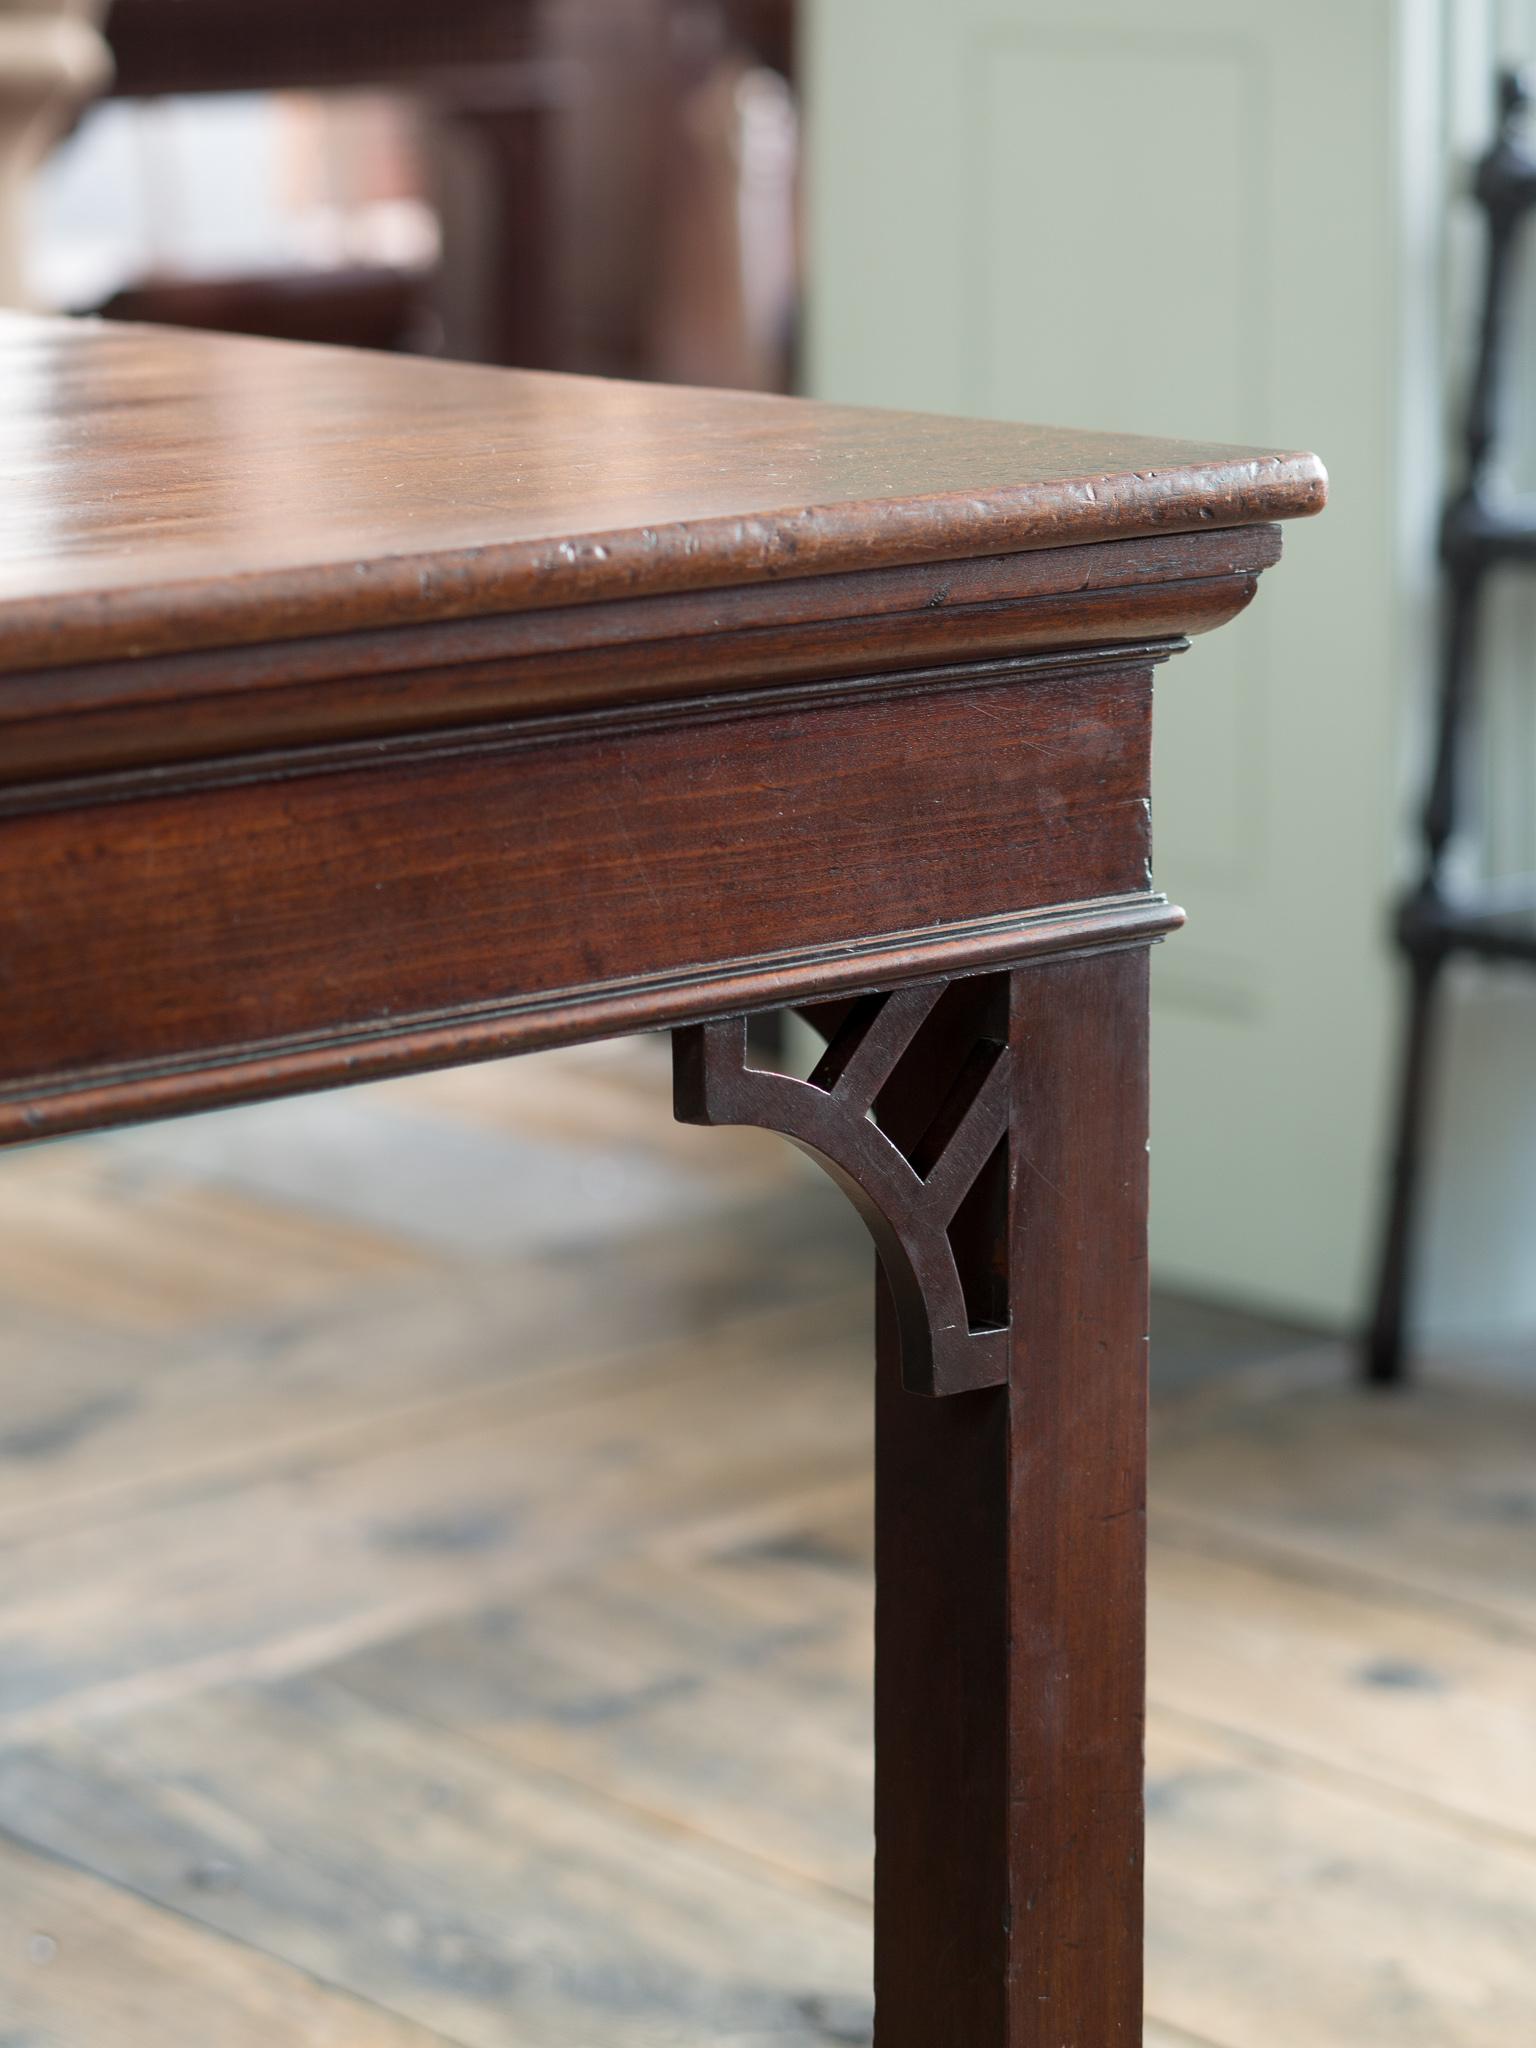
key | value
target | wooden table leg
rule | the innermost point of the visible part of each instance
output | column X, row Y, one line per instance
column 1010, row 1559
column 1004, row 1175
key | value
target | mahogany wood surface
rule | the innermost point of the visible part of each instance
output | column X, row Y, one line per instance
column 363, row 715
column 1009, row 1559
column 170, row 490
column 155, row 710
column 457, row 885
column 953, row 1309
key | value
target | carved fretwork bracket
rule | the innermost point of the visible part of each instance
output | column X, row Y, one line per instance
column 908, row 1110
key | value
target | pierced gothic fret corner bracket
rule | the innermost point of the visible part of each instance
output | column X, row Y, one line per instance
column 908, row 1111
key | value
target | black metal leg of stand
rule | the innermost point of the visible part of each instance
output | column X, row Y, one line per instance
column 1419, row 935
column 1477, row 535
column 1383, row 1361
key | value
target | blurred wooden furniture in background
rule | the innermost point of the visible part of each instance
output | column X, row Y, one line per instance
column 584, row 212
column 475, row 63
column 364, row 716
column 52, row 60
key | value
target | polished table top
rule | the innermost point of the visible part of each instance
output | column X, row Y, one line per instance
column 169, row 490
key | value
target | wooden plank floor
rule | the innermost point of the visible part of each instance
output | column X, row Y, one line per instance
column 435, row 1607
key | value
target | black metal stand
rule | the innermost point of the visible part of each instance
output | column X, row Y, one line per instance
column 1433, row 923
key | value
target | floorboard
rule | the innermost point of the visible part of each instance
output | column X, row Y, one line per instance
column 435, row 1608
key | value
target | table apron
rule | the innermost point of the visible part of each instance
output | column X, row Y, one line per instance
column 217, row 932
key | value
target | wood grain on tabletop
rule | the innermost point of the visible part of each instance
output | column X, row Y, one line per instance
column 287, row 489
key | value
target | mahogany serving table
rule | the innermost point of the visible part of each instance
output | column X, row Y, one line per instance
column 362, row 715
